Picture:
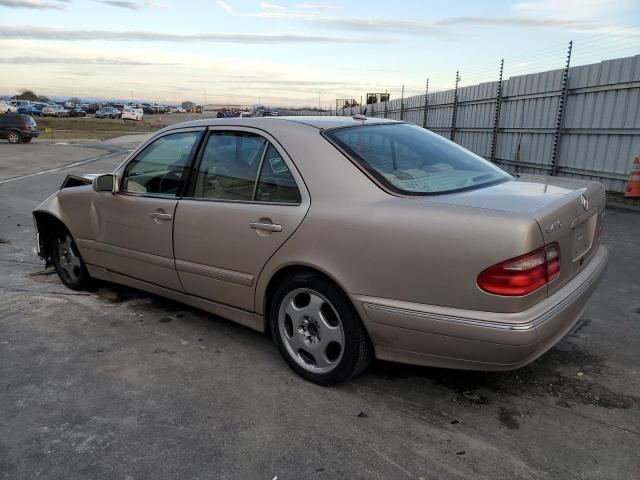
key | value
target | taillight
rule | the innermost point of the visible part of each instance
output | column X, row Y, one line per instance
column 26, row 126
column 522, row 275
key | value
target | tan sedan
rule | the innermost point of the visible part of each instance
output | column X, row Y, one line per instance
column 346, row 238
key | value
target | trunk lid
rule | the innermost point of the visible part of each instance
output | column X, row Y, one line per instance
column 569, row 212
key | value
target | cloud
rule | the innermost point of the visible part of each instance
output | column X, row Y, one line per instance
column 320, row 7
column 35, row 4
column 152, row 4
column 223, row 5
column 122, row 4
column 77, row 61
column 59, row 34
column 589, row 20
column 271, row 6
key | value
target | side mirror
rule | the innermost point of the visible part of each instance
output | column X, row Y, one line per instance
column 105, row 183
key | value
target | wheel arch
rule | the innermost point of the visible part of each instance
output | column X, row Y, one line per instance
column 263, row 302
column 46, row 225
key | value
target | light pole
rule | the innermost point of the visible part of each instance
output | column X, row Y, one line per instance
column 319, row 93
column 204, row 91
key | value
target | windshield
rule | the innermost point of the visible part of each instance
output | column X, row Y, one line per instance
column 411, row 160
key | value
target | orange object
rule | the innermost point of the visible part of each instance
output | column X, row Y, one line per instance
column 633, row 187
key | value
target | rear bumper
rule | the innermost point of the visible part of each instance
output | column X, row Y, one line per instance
column 468, row 339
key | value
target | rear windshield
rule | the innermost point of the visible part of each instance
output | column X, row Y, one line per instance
column 411, row 160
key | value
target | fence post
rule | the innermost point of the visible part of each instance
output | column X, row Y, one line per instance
column 386, row 109
column 426, row 105
column 452, row 135
column 373, row 110
column 402, row 104
column 555, row 154
column 496, row 118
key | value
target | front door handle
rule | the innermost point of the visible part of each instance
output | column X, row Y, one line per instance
column 269, row 227
column 161, row 216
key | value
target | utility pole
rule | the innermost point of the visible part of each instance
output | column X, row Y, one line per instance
column 402, row 104
column 204, row 91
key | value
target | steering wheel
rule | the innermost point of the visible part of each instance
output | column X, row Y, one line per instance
column 169, row 181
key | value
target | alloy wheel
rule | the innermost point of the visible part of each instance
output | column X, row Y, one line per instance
column 69, row 259
column 14, row 137
column 311, row 330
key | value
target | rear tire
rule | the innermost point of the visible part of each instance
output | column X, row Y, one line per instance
column 14, row 137
column 68, row 263
column 317, row 329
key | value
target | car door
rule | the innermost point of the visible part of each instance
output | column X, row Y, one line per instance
column 135, row 225
column 246, row 199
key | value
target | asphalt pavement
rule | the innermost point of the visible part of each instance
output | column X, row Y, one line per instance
column 119, row 384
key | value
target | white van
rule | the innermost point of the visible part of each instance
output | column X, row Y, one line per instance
column 132, row 114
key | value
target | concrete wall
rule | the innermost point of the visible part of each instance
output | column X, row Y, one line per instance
column 600, row 133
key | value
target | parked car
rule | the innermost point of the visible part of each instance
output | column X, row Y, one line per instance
column 6, row 107
column 413, row 250
column 91, row 107
column 177, row 110
column 18, row 128
column 133, row 114
column 108, row 112
column 55, row 111
column 77, row 112
column 28, row 109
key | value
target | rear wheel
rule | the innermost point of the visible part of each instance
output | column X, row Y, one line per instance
column 317, row 330
column 68, row 262
column 14, row 137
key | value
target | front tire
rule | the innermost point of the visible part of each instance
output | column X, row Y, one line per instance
column 317, row 330
column 68, row 263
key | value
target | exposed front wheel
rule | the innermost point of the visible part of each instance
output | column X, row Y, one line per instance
column 318, row 331
column 14, row 137
column 68, row 262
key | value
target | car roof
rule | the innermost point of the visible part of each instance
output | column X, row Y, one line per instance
column 319, row 122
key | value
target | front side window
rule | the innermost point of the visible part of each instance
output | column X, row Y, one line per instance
column 159, row 168
column 411, row 160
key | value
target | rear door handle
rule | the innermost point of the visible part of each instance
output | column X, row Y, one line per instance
column 269, row 227
column 161, row 216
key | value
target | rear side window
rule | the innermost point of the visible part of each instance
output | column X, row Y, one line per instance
column 276, row 183
column 244, row 166
column 229, row 166
column 411, row 160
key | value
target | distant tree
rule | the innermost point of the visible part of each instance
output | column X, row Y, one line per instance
column 188, row 105
column 27, row 95
column 43, row 99
column 75, row 100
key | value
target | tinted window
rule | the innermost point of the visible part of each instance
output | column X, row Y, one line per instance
column 276, row 183
column 411, row 160
column 159, row 168
column 229, row 166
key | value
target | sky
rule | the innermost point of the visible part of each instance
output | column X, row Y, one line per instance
column 295, row 52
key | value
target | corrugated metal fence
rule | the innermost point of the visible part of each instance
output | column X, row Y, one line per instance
column 600, row 130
